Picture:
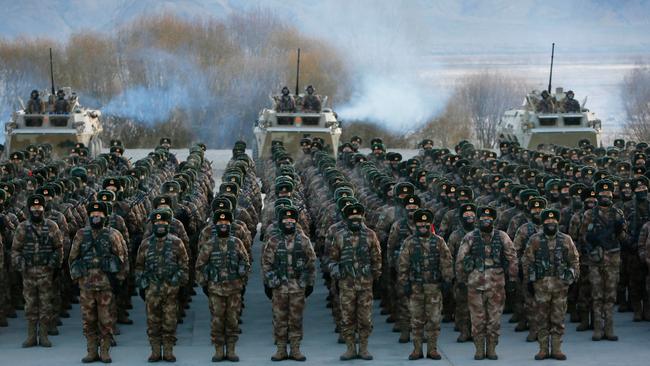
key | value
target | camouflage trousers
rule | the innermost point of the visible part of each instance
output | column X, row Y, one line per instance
column 550, row 306
column 288, row 308
column 224, row 312
column 38, row 293
column 336, row 302
column 98, row 320
column 161, row 303
column 529, row 310
column 485, row 309
column 604, row 280
column 425, row 306
column 356, row 312
column 637, row 271
column 583, row 302
column 461, row 315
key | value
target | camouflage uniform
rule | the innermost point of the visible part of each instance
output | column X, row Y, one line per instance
column 222, row 267
column 424, row 264
column 484, row 260
column 288, row 265
column 98, row 259
column 355, row 261
column 37, row 252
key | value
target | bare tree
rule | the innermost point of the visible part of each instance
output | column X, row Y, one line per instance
column 636, row 100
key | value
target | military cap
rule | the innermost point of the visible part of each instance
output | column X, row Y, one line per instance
column 106, row 195
column 160, row 215
column 619, row 143
column 465, row 192
column 578, row 189
column 376, row 140
column 641, row 181
column 393, row 156
column 171, row 186
column 423, row 215
column 46, row 192
column 36, row 200
column 112, row 182
column 345, row 201
column 162, row 200
column 504, row 144
column 604, row 185
column 117, row 149
column 526, row 194
column 288, row 212
column 284, row 186
column 223, row 203
column 536, row 202
column 17, row 155
column 305, row 141
column 550, row 214
column 467, row 207
column 165, row 140
column 411, row 199
column 451, row 189
column 426, row 142
column 98, row 206
column 404, row 188
column 230, row 187
column 353, row 210
column 356, row 139
column 115, row 143
column 222, row 215
column 486, row 211
column 639, row 170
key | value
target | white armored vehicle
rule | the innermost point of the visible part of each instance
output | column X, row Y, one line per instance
column 61, row 127
column 547, row 121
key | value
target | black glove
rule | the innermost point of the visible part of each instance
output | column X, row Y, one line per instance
column 531, row 288
column 511, row 287
column 141, row 293
column 445, row 287
column 309, row 290
column 268, row 291
column 205, row 290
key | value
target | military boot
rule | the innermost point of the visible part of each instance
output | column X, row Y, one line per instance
column 351, row 352
column 91, row 348
column 363, row 350
column 464, row 335
column 168, row 351
column 609, row 330
column 123, row 318
column 31, row 335
column 230, row 352
column 417, row 350
column 532, row 335
column 404, row 335
column 3, row 320
column 522, row 326
column 155, row 351
column 432, row 349
column 598, row 330
column 295, row 354
column 52, row 329
column 219, row 355
column 646, row 310
column 556, row 350
column 491, row 349
column 543, row 349
column 584, row 322
column 479, row 344
column 43, row 341
column 104, row 349
column 638, row 311
column 281, row 353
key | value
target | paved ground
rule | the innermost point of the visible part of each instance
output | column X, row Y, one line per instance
column 320, row 347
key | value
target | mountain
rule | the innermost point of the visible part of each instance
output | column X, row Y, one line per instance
column 440, row 25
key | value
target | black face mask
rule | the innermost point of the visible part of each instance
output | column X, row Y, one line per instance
column 554, row 196
column 354, row 225
column 160, row 230
column 486, row 225
column 565, row 199
column 577, row 203
column 36, row 216
column 288, row 228
column 550, row 229
column 97, row 222
column 423, row 231
column 223, row 230
column 641, row 196
column 536, row 218
column 468, row 223
column 604, row 201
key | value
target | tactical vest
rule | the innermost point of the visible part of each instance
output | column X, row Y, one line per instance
column 549, row 264
column 360, row 256
column 159, row 264
column 475, row 260
column 603, row 232
column 641, row 216
column 46, row 253
column 426, row 269
column 281, row 261
column 404, row 232
column 222, row 261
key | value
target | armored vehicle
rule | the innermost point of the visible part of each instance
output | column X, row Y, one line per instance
column 61, row 130
column 291, row 126
column 530, row 126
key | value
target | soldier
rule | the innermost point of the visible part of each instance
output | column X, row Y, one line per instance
column 545, row 105
column 636, row 252
column 355, row 257
column 550, row 265
column 603, row 229
column 425, row 273
column 61, row 105
column 98, row 263
column 222, row 268
column 288, row 266
column 35, row 104
column 286, row 104
column 485, row 259
column 37, row 252
column 571, row 105
column 311, row 102
column 161, row 268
